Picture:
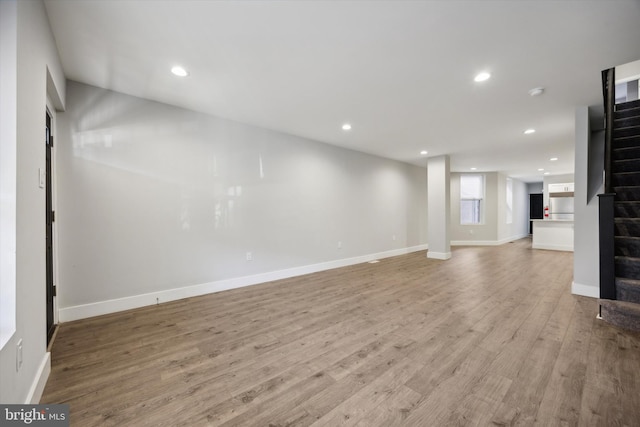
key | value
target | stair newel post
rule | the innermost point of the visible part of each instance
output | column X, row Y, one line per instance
column 609, row 92
column 607, row 254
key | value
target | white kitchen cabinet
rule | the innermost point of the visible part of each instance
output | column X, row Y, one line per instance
column 554, row 235
column 567, row 187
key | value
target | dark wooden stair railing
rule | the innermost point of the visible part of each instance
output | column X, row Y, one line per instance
column 606, row 201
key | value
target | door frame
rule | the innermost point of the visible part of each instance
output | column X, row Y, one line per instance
column 51, row 112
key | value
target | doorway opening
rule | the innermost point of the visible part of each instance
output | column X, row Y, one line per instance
column 50, row 218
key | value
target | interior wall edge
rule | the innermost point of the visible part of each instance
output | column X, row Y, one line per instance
column 585, row 290
column 84, row 311
column 39, row 381
column 439, row 255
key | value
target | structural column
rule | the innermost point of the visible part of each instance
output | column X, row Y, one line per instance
column 438, row 208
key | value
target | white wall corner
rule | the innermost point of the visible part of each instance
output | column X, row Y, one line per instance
column 40, row 381
column 439, row 255
column 585, row 290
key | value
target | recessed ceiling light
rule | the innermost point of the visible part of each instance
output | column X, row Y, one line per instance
column 179, row 71
column 540, row 169
column 474, row 169
column 529, row 131
column 547, row 173
column 346, row 126
column 424, row 152
column 553, row 159
column 536, row 91
column 482, row 77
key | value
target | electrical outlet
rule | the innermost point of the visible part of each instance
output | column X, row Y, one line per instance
column 393, row 237
column 249, row 256
column 470, row 231
column 19, row 355
column 339, row 245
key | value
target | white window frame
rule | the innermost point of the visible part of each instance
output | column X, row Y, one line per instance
column 475, row 197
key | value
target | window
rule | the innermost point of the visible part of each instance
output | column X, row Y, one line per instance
column 509, row 201
column 471, row 195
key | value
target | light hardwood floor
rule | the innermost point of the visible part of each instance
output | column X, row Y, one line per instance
column 492, row 336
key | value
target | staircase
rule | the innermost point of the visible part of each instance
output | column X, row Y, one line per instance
column 624, row 311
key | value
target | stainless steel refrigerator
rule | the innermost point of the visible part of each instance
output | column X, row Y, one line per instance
column 561, row 208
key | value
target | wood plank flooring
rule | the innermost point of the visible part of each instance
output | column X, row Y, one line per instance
column 492, row 336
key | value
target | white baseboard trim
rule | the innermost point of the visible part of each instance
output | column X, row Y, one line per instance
column 512, row 238
column 585, row 290
column 474, row 243
column 84, row 311
column 553, row 247
column 487, row 242
column 37, row 388
column 439, row 255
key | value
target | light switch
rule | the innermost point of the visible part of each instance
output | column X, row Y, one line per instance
column 19, row 355
column 42, row 178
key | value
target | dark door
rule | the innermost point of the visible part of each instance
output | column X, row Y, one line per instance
column 49, row 215
column 536, row 210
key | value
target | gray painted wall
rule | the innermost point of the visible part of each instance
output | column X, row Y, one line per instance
column 520, row 217
column 154, row 198
column 628, row 71
column 595, row 182
column 595, row 168
column 586, row 253
column 8, row 122
column 535, row 187
column 38, row 72
column 494, row 228
column 488, row 230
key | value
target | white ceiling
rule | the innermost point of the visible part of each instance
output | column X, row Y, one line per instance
column 401, row 72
